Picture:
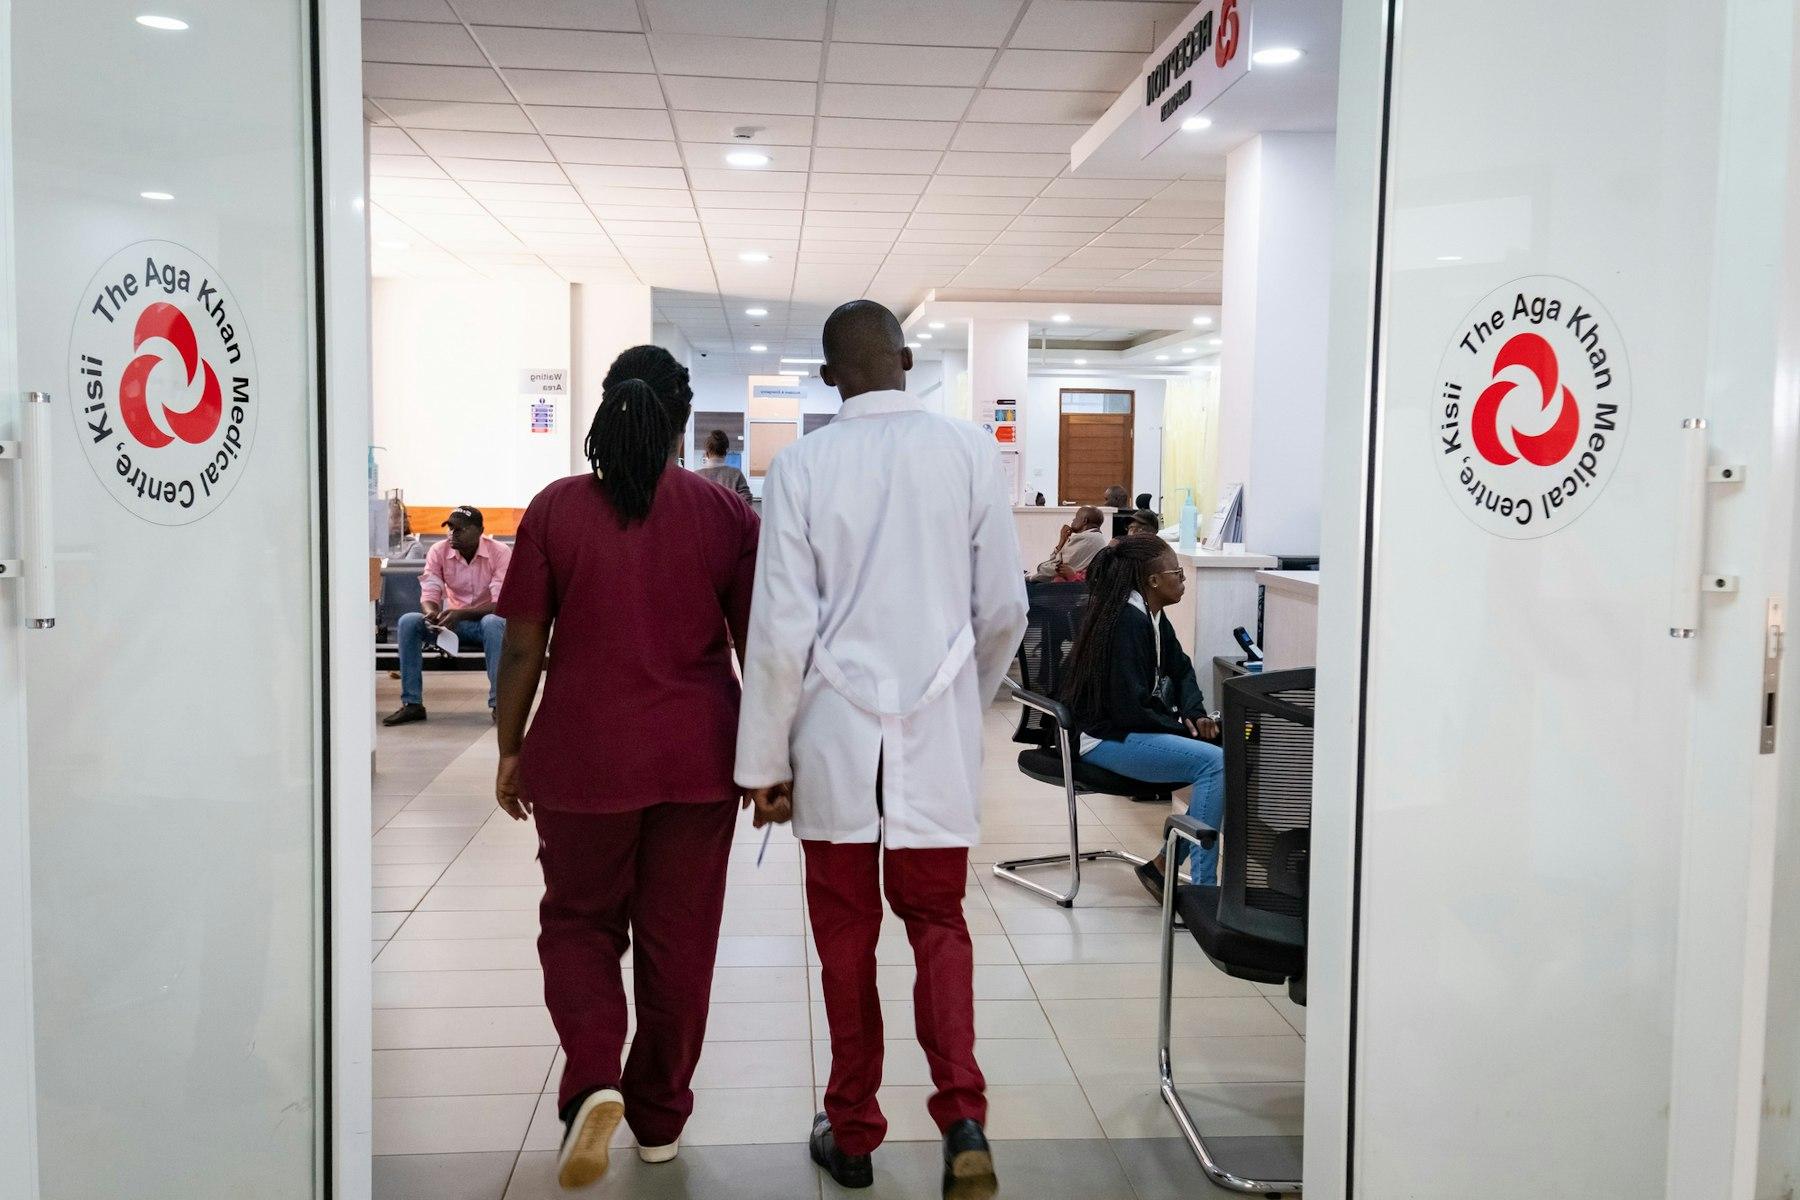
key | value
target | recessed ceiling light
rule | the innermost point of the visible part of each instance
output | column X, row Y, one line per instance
column 937, row 324
column 1203, row 320
column 1196, row 124
column 747, row 158
column 157, row 195
column 1214, row 342
column 759, row 348
column 1081, row 362
column 1190, row 349
column 756, row 312
column 752, row 256
column 394, row 244
column 1162, row 358
column 1449, row 258
column 912, row 345
column 1060, row 318
column 795, row 374
column 809, row 361
column 924, row 337
column 1276, row 56
column 172, row 24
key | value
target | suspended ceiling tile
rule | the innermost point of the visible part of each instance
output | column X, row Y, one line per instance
column 1040, row 107
column 943, row 66
column 767, row 129
column 875, row 161
column 593, row 89
column 496, row 170
column 1017, row 136
column 703, row 94
column 419, row 42
column 565, row 49
column 764, row 58
column 615, row 152
column 893, row 100
column 460, row 143
column 925, row 22
column 824, row 181
column 404, row 166
column 870, row 133
column 1098, row 25
column 405, row 82
column 985, row 185
column 803, row 19
column 585, row 175
column 618, row 15
column 650, row 124
column 957, row 162
column 1082, row 70
column 1066, row 206
column 450, row 114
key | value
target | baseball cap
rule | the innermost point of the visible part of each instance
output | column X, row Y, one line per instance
column 465, row 514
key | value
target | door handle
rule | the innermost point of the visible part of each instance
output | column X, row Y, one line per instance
column 1691, row 577
column 35, row 567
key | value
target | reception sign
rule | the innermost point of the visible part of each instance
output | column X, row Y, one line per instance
column 1194, row 67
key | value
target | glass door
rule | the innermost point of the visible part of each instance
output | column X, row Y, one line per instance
column 162, row 266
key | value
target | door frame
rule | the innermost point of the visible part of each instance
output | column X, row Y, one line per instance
column 345, row 713
column 1062, row 443
column 1714, row 1089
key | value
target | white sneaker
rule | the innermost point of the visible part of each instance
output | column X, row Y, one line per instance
column 587, row 1142
column 660, row 1154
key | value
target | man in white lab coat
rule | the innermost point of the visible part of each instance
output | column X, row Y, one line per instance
column 888, row 602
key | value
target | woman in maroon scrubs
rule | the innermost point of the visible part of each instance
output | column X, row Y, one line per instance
column 644, row 571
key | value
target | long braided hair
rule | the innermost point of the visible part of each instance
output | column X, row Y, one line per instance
column 644, row 406
column 1121, row 568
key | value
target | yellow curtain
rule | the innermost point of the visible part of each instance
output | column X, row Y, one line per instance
column 1191, row 443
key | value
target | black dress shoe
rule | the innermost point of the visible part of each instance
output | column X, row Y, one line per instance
column 406, row 714
column 968, row 1163
column 849, row 1170
column 1152, row 879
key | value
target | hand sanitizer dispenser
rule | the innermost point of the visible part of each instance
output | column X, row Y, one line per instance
column 1190, row 521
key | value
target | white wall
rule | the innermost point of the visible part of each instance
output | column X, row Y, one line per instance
column 1042, row 420
column 446, row 360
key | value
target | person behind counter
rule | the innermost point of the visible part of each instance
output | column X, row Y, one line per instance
column 1134, row 694
column 718, row 470
column 1081, row 539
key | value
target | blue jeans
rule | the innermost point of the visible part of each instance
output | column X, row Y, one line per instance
column 1170, row 758
column 489, row 632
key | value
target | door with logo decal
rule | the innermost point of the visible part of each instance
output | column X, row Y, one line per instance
column 160, row 296
column 1582, row 450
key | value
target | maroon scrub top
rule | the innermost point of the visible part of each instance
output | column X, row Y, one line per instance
column 641, row 704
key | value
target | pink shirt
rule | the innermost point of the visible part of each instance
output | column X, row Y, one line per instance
column 451, row 580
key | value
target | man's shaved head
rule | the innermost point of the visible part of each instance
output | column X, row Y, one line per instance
column 865, row 350
column 1086, row 517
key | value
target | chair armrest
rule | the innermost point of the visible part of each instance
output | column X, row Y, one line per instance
column 1180, row 825
column 1055, row 710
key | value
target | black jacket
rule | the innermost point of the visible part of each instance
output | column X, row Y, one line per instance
column 1128, row 705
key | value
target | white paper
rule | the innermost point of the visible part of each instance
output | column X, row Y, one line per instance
column 448, row 642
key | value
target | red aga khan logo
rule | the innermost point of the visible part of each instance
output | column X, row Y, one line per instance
column 164, row 382
column 1531, row 409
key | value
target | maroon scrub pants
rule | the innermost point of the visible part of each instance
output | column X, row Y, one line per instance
column 844, row 884
column 656, row 875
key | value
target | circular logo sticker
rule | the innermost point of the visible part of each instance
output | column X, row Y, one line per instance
column 163, row 382
column 1533, row 399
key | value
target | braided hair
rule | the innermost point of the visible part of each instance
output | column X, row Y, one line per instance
column 1121, row 568
column 644, row 406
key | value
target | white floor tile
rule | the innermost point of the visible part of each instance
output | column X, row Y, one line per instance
column 462, row 1071
column 440, row 1028
column 451, row 1124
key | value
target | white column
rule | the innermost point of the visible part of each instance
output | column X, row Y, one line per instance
column 604, row 318
column 1278, row 214
column 948, row 397
column 999, row 353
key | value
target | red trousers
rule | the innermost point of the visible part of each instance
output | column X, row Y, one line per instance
column 656, row 875
column 844, row 884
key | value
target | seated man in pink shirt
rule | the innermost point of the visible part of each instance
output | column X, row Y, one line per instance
column 457, row 591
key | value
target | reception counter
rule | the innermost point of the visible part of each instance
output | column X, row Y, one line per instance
column 1290, row 619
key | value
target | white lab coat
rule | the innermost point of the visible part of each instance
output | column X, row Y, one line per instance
column 888, row 603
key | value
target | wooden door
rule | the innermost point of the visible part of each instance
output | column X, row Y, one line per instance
column 1094, row 443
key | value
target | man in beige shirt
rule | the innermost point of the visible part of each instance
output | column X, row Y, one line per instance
column 1081, row 540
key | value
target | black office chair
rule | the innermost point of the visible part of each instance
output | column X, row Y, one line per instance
column 1253, row 925
column 1046, row 725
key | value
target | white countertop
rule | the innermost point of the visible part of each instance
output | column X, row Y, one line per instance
column 1304, row 584
column 1200, row 558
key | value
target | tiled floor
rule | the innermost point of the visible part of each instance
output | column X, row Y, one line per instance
column 466, row 1059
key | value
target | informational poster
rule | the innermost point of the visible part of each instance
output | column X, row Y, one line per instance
column 1009, row 463
column 543, row 416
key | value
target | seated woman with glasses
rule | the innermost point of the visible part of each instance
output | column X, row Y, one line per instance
column 1132, row 691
